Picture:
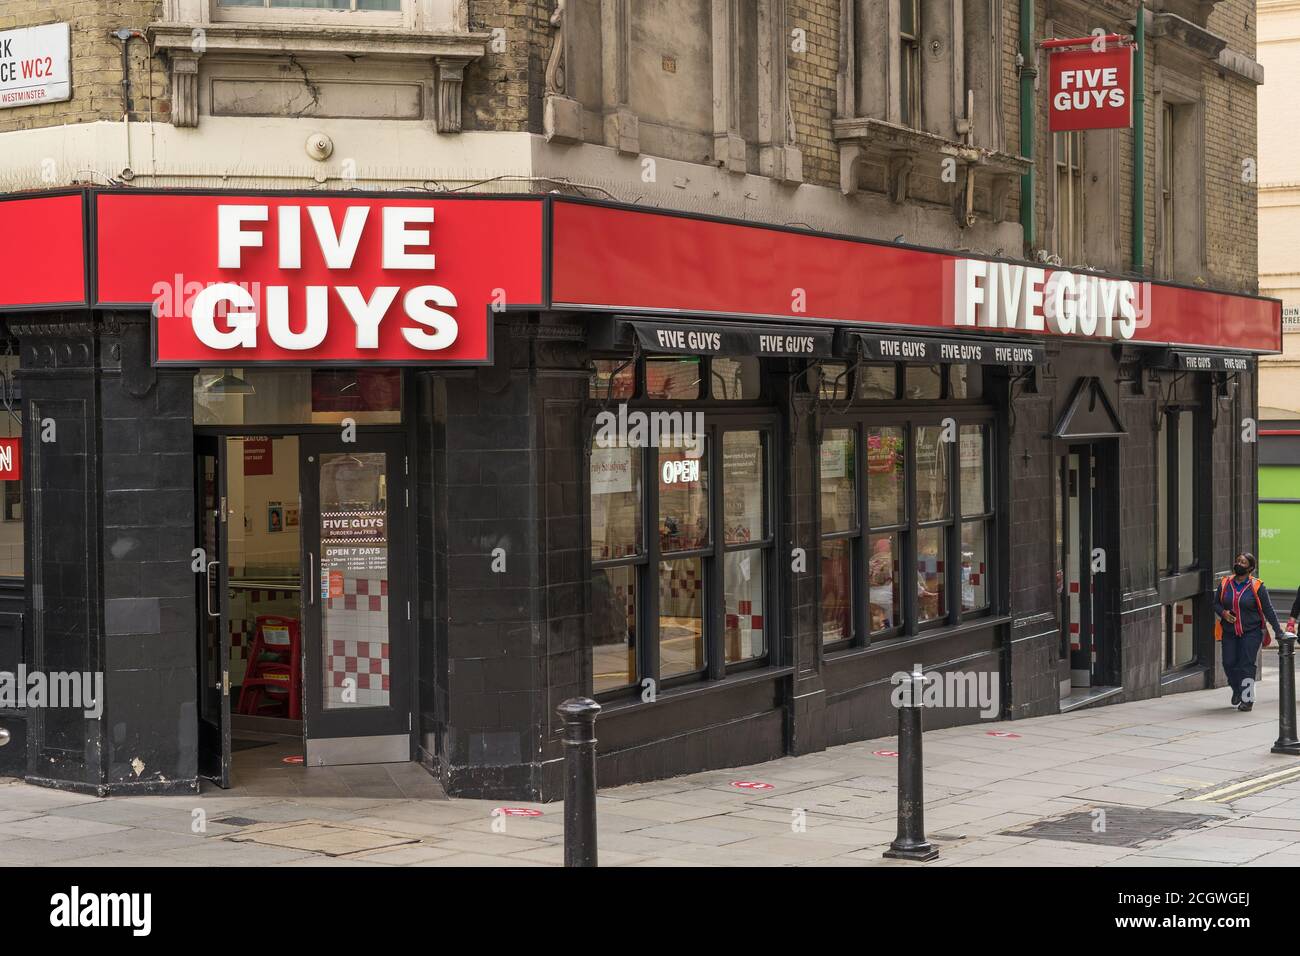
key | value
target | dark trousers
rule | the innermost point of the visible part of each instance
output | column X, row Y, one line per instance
column 1239, row 655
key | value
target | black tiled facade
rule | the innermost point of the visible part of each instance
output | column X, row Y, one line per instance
column 499, row 460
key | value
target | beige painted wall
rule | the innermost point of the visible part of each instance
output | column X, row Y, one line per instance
column 1279, row 195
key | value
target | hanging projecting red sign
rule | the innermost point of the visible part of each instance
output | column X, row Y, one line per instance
column 1090, row 82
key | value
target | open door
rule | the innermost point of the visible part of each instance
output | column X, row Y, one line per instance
column 356, row 604
column 213, row 595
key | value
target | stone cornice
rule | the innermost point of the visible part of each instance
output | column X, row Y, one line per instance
column 285, row 38
column 1241, row 65
column 1187, row 35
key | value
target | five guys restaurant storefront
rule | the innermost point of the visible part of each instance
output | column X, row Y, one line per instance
column 392, row 476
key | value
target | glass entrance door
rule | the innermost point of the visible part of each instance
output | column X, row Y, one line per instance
column 356, row 608
column 1079, row 563
column 213, row 610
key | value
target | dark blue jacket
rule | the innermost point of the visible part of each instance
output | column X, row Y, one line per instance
column 1252, row 614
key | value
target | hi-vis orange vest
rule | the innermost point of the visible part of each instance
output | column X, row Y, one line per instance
column 1223, row 599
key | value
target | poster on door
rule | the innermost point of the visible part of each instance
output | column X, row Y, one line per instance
column 258, row 456
column 353, row 542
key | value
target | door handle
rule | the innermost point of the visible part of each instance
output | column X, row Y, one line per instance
column 208, row 576
column 311, row 578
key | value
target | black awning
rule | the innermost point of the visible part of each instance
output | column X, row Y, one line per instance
column 933, row 349
column 704, row 337
column 1192, row 360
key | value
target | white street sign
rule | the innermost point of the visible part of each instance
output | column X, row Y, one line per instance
column 35, row 65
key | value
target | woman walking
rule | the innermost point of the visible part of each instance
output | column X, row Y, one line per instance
column 1242, row 605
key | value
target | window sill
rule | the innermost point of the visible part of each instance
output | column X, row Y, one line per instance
column 742, row 679
column 450, row 51
column 901, row 148
column 926, row 637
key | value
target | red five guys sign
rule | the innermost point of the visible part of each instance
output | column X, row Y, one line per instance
column 275, row 279
column 1091, row 83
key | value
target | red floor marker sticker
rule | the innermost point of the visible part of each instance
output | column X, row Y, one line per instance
column 516, row 812
column 294, row 759
column 885, row 753
column 1002, row 733
column 750, row 785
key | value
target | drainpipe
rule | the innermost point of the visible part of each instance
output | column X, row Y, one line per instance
column 1139, row 139
column 1028, row 73
column 124, row 36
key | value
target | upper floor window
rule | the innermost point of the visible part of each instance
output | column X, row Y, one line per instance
column 1180, row 248
column 353, row 6
column 909, row 33
column 424, row 14
column 1167, row 179
column 1069, row 204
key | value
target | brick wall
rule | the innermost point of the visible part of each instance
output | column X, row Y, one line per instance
column 812, row 77
column 97, row 62
column 503, row 90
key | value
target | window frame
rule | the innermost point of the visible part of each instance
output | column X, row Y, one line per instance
column 1170, row 435
column 911, row 414
column 408, row 17
column 1177, row 582
column 1168, row 178
column 1068, row 206
column 723, row 416
column 909, row 66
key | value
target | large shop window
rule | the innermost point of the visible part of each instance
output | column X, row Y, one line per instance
column 906, row 521
column 1177, row 508
column 682, row 534
column 11, row 490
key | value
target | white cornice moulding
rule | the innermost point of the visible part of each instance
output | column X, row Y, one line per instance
column 282, row 38
column 185, row 43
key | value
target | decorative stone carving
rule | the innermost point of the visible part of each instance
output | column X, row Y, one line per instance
column 555, row 64
column 451, row 77
column 900, row 168
column 561, row 114
column 185, row 88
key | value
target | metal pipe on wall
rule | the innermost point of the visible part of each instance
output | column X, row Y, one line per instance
column 1139, row 139
column 1028, row 73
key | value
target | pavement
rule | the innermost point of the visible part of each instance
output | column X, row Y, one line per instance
column 1183, row 780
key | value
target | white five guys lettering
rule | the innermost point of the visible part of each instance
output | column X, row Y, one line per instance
column 1004, row 295
column 402, row 228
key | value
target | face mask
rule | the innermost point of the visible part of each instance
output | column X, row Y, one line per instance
column 1240, row 568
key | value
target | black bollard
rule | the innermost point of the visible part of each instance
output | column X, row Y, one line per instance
column 579, row 715
column 1286, row 739
column 911, row 844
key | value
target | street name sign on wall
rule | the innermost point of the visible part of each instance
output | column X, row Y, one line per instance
column 35, row 65
column 1089, row 88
